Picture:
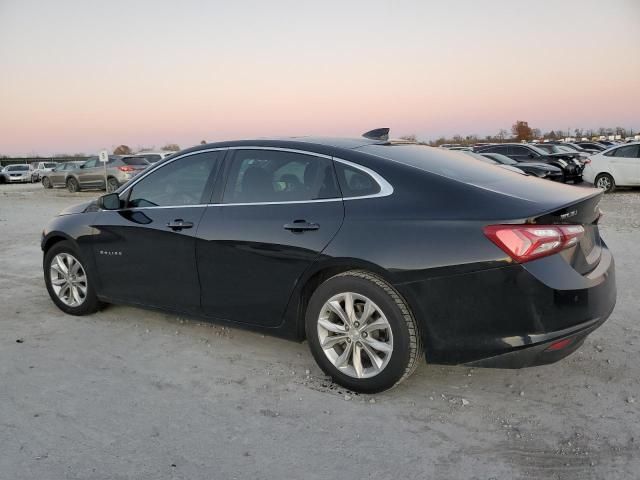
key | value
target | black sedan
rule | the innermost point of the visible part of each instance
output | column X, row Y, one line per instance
column 538, row 169
column 569, row 162
column 379, row 254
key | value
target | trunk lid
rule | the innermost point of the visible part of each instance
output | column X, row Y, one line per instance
column 584, row 256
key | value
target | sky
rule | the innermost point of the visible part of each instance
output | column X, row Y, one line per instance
column 77, row 76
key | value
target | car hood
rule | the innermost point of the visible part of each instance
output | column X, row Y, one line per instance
column 79, row 208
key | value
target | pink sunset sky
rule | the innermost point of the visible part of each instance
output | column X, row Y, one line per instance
column 78, row 76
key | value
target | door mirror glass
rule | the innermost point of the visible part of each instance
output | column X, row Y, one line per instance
column 110, row 201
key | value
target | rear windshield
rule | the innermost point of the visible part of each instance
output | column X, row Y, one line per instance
column 135, row 161
column 451, row 164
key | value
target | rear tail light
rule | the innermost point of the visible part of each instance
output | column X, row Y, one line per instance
column 126, row 168
column 527, row 242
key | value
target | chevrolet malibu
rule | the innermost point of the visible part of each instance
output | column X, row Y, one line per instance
column 380, row 254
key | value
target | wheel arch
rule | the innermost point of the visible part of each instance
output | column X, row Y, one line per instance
column 296, row 308
column 53, row 238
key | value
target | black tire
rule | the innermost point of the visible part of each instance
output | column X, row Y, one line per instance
column 46, row 183
column 607, row 182
column 112, row 184
column 72, row 185
column 407, row 344
column 90, row 303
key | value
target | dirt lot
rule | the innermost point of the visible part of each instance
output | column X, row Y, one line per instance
column 128, row 393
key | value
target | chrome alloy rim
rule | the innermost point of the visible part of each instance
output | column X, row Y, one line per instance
column 68, row 279
column 355, row 335
column 604, row 183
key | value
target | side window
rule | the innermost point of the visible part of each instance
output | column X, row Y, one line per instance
column 181, row 182
column 90, row 163
column 628, row 151
column 278, row 176
column 354, row 182
column 519, row 151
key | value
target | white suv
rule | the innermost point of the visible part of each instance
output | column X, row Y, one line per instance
column 616, row 166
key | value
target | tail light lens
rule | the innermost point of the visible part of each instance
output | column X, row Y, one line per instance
column 527, row 242
column 126, row 168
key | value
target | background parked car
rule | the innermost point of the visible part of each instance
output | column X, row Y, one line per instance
column 490, row 161
column 519, row 152
column 537, row 169
column 91, row 174
column 617, row 166
column 15, row 174
column 153, row 157
column 39, row 168
column 592, row 146
column 58, row 176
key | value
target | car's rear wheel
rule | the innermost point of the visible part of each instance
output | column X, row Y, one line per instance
column 67, row 280
column 605, row 182
column 46, row 183
column 112, row 185
column 362, row 333
column 72, row 185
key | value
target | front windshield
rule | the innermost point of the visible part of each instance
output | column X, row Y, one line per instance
column 18, row 168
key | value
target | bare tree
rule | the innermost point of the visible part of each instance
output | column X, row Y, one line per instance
column 171, row 147
column 502, row 134
column 409, row 138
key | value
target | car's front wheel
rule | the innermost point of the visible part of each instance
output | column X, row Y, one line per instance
column 362, row 333
column 67, row 280
column 605, row 182
column 72, row 185
column 46, row 183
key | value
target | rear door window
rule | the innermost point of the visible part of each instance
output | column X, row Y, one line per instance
column 258, row 176
column 627, row 151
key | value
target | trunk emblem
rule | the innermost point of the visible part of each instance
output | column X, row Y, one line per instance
column 570, row 214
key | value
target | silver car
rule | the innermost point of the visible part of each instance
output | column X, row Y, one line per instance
column 41, row 167
column 58, row 176
column 93, row 175
column 15, row 174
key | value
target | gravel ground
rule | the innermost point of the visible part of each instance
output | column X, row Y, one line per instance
column 129, row 393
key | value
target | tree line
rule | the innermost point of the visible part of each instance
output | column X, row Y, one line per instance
column 522, row 131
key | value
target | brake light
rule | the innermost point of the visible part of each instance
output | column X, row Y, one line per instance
column 527, row 242
column 126, row 168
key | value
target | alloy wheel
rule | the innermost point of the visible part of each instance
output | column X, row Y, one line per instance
column 355, row 335
column 68, row 279
column 112, row 185
column 604, row 183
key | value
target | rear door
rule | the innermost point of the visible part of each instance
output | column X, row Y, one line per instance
column 145, row 252
column 91, row 173
column 625, row 164
column 278, row 212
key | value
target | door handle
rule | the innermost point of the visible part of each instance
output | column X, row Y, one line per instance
column 178, row 224
column 299, row 226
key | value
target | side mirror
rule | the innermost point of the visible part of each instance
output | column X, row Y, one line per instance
column 110, row 201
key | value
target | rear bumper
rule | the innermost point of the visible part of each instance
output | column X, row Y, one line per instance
column 507, row 317
column 542, row 352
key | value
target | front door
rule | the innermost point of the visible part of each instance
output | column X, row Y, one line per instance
column 279, row 211
column 145, row 252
